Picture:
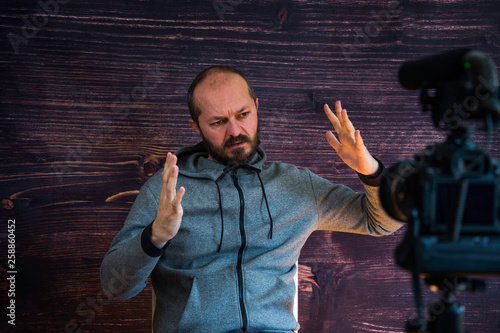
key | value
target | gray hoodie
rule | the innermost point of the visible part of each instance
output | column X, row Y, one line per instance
column 232, row 264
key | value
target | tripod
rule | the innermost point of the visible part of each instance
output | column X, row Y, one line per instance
column 445, row 315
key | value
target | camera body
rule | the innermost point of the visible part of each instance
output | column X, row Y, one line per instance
column 450, row 193
column 450, row 196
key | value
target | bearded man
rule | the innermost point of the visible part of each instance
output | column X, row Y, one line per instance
column 220, row 232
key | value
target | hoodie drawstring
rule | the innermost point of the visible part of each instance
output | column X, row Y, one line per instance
column 224, row 172
column 270, row 235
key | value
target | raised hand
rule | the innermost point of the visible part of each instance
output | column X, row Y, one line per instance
column 349, row 145
column 169, row 214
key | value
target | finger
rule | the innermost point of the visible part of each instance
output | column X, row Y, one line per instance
column 165, row 177
column 176, row 203
column 347, row 123
column 333, row 119
column 338, row 111
column 338, row 106
column 332, row 140
column 343, row 119
column 167, row 174
column 359, row 140
column 166, row 167
column 170, row 161
column 172, row 183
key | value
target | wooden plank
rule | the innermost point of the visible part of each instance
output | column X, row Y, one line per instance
column 94, row 98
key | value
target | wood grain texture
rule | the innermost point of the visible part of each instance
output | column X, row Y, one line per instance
column 94, row 98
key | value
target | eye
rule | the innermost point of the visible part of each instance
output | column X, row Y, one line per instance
column 244, row 114
column 217, row 123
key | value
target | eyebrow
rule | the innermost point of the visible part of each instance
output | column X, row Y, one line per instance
column 222, row 117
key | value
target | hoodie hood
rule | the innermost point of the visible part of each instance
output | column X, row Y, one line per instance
column 193, row 162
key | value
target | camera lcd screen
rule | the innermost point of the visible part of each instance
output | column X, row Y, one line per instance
column 480, row 211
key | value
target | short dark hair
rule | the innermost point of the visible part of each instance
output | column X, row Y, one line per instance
column 194, row 110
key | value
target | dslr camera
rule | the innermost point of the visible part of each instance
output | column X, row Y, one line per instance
column 449, row 194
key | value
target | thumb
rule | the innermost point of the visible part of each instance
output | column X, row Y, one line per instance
column 178, row 197
column 332, row 140
column 360, row 145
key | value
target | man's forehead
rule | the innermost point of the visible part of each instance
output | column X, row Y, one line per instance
column 222, row 92
column 218, row 79
column 225, row 84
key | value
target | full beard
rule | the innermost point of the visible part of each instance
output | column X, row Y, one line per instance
column 238, row 156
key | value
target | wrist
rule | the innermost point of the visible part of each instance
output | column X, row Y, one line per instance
column 158, row 238
column 373, row 179
column 374, row 169
column 151, row 249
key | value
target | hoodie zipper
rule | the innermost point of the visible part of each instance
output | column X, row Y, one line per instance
column 239, row 266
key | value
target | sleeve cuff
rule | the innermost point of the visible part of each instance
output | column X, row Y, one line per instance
column 376, row 178
column 147, row 245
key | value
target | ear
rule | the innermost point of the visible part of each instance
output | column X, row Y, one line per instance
column 195, row 126
column 257, row 103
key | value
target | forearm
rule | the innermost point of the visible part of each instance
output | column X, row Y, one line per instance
column 379, row 223
column 341, row 209
column 125, row 269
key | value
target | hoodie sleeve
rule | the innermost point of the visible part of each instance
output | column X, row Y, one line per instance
column 342, row 209
column 132, row 257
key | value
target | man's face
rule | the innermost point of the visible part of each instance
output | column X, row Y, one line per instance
column 228, row 121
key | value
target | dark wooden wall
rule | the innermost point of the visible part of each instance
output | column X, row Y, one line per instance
column 93, row 97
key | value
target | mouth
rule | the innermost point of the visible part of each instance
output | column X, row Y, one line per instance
column 236, row 142
column 237, row 145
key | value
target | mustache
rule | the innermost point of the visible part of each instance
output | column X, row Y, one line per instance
column 236, row 139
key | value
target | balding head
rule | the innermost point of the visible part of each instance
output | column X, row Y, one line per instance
column 215, row 76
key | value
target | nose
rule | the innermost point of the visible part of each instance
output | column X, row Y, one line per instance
column 233, row 128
